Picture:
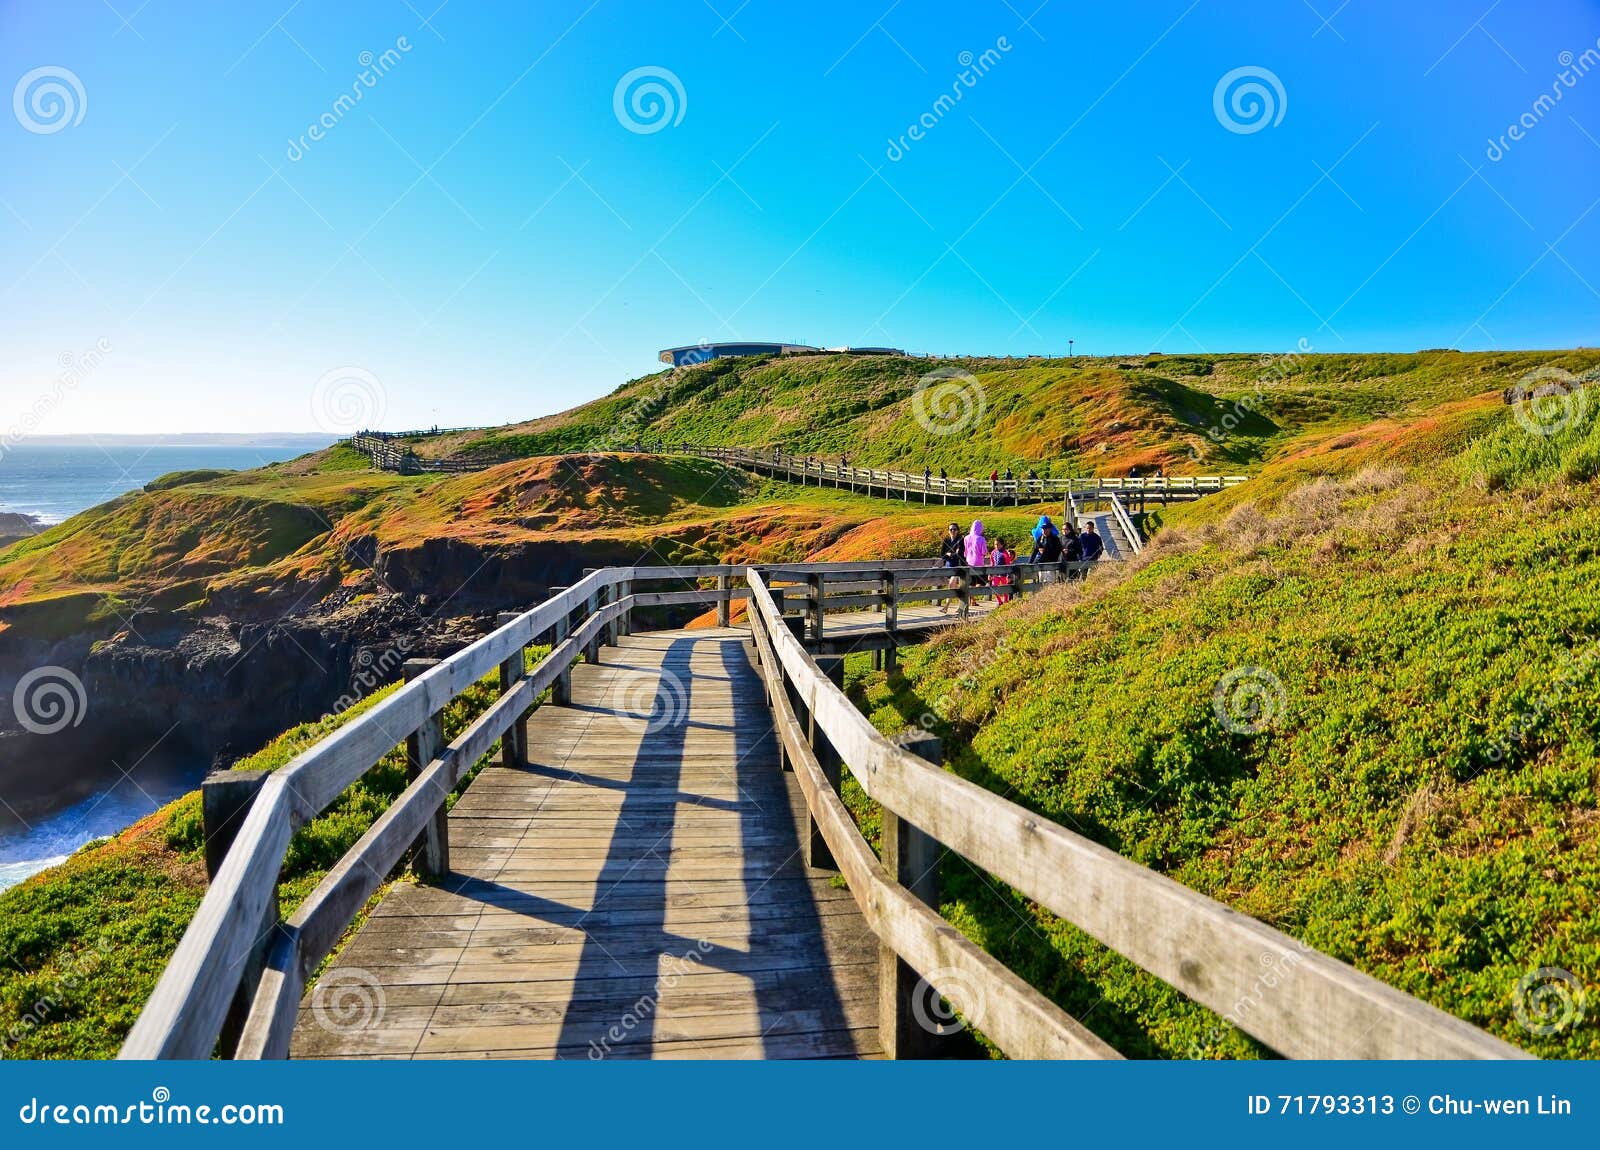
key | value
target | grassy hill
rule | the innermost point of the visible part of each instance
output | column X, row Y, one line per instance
column 1078, row 416
column 1413, row 610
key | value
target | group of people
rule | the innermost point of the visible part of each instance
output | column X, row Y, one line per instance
column 1051, row 546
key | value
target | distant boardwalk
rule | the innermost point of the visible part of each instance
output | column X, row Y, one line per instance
column 637, row 891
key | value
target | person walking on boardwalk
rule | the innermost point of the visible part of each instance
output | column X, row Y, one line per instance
column 1072, row 545
column 952, row 555
column 976, row 547
column 1041, row 527
column 1001, row 558
column 1046, row 549
column 1091, row 542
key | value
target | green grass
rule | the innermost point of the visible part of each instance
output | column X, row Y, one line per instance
column 1424, row 803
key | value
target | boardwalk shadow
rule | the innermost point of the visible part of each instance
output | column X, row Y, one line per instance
column 723, row 947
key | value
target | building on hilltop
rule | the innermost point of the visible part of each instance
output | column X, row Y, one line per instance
column 700, row 352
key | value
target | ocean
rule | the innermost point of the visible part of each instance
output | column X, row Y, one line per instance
column 54, row 483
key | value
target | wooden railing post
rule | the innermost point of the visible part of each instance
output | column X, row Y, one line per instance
column 965, row 591
column 816, row 847
column 561, row 688
column 618, row 627
column 591, row 649
column 816, row 581
column 724, row 599
column 911, row 859
column 891, row 616
column 422, row 747
column 514, row 743
column 225, row 800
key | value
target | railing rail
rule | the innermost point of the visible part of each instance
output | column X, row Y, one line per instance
column 1120, row 511
column 238, row 960
column 1315, row 1007
column 805, row 469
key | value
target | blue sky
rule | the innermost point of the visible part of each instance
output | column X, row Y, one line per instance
column 482, row 238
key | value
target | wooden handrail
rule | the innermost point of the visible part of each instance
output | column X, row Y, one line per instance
column 1022, row 1021
column 1318, row 1008
column 236, row 930
column 1125, row 521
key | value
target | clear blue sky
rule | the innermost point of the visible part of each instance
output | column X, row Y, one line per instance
column 485, row 237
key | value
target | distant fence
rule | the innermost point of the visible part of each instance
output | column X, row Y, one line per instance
column 809, row 470
column 386, row 456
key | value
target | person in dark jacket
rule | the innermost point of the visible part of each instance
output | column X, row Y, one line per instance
column 1091, row 542
column 1071, row 547
column 1046, row 550
column 952, row 555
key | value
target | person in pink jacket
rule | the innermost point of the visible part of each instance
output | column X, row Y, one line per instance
column 977, row 553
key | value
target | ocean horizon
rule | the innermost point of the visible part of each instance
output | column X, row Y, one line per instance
column 53, row 482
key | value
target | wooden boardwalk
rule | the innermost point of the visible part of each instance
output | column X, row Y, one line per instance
column 636, row 891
